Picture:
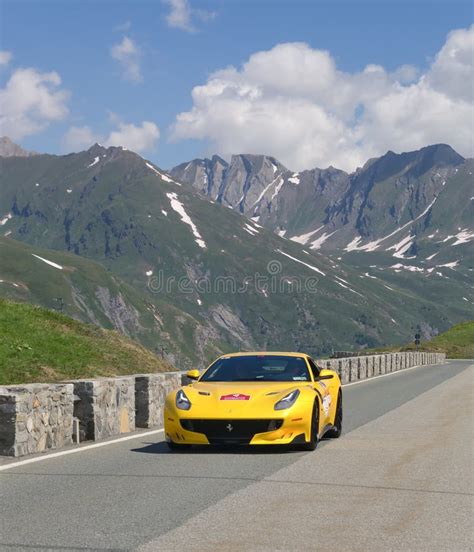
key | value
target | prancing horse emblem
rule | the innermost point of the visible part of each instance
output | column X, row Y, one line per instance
column 229, row 427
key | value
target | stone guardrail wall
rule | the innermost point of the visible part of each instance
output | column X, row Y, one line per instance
column 35, row 417
column 38, row 417
column 362, row 367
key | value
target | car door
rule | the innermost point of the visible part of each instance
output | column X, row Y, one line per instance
column 325, row 392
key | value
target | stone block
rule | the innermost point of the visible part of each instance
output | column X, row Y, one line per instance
column 35, row 417
column 362, row 361
column 383, row 364
column 105, row 407
column 150, row 394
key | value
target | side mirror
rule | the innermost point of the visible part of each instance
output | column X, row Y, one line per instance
column 324, row 375
column 193, row 374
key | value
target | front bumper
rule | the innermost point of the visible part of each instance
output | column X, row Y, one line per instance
column 243, row 431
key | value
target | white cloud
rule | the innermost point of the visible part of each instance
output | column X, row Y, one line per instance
column 30, row 101
column 79, row 138
column 138, row 138
column 5, row 57
column 294, row 103
column 128, row 54
column 181, row 15
column 453, row 69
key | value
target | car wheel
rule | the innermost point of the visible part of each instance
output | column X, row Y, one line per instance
column 175, row 447
column 313, row 442
column 336, row 431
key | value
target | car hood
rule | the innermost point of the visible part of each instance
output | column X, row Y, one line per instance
column 237, row 399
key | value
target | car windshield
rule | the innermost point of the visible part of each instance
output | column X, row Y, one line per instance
column 258, row 368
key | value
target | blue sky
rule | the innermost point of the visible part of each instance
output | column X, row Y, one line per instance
column 74, row 39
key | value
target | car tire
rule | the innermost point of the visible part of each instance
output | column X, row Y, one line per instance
column 313, row 442
column 175, row 447
column 336, row 431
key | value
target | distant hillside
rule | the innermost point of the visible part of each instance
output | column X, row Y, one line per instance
column 85, row 291
column 457, row 342
column 38, row 345
column 151, row 257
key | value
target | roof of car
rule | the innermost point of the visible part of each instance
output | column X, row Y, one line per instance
column 265, row 353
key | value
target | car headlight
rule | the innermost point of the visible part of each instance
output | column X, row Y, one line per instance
column 288, row 400
column 182, row 402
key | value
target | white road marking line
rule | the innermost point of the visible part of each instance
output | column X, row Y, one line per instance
column 80, row 449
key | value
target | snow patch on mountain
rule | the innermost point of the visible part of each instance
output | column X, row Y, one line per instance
column 277, row 189
column 161, row 175
column 347, row 287
column 177, row 206
column 264, row 191
column 400, row 266
column 294, row 178
column 316, row 244
column 5, row 219
column 301, row 262
column 50, row 263
column 303, row 238
column 402, row 246
column 354, row 244
column 464, row 236
column 452, row 265
column 96, row 160
column 374, row 245
column 251, row 229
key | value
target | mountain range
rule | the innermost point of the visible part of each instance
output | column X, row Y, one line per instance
column 332, row 210
column 216, row 256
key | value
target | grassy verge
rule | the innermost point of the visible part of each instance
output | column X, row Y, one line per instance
column 41, row 345
column 457, row 342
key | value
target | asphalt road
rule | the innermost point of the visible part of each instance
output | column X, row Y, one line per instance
column 400, row 478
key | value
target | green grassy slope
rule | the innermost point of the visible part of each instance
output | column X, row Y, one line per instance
column 86, row 291
column 38, row 345
column 457, row 342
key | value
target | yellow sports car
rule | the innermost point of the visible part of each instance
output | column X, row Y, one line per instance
column 257, row 399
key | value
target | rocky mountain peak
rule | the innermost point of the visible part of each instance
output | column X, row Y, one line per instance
column 217, row 159
column 9, row 149
column 97, row 149
column 440, row 155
